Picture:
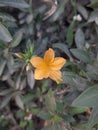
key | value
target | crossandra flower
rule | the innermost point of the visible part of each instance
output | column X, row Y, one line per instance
column 48, row 67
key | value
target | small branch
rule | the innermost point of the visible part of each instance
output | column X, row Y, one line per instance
column 66, row 90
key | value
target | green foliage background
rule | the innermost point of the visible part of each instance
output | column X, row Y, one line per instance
column 26, row 104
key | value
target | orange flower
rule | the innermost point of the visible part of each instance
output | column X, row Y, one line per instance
column 49, row 66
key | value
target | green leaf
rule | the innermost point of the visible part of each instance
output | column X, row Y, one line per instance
column 74, row 80
column 45, row 115
column 4, row 33
column 20, row 114
column 28, row 98
column 60, row 106
column 93, row 16
column 81, row 126
column 89, row 98
column 57, row 118
column 92, row 68
column 70, row 34
column 5, row 92
column 59, row 10
column 14, row 3
column 5, row 74
column 94, row 5
column 76, row 110
column 93, row 118
column 30, row 125
column 35, row 110
column 7, row 17
column 91, row 75
column 18, row 81
column 2, row 65
column 23, row 124
column 7, row 98
column 79, row 39
column 82, row 55
column 16, row 40
column 19, row 101
column 30, row 79
column 92, row 72
column 82, row 10
column 5, row 101
column 63, row 48
column 10, row 63
column 50, row 101
column 53, row 127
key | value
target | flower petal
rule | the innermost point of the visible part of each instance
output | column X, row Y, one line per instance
column 40, row 74
column 37, row 62
column 49, row 56
column 58, row 63
column 56, row 75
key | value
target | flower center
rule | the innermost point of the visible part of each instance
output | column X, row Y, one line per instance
column 48, row 66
